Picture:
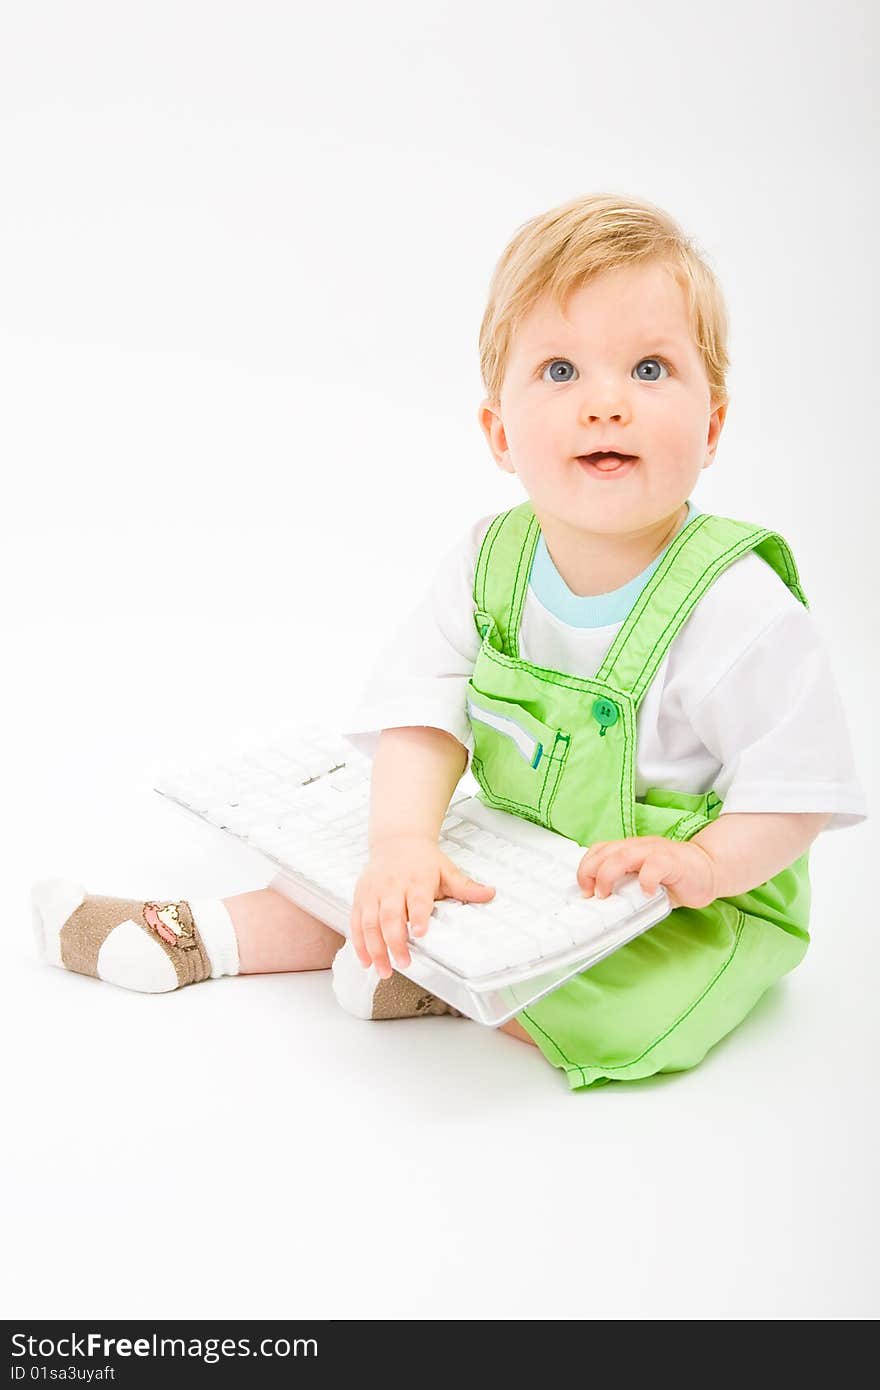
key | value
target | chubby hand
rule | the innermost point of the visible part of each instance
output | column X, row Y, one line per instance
column 685, row 869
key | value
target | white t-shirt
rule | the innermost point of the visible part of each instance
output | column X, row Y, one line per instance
column 744, row 702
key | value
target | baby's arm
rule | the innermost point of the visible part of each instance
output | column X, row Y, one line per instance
column 748, row 848
column 734, row 854
column 415, row 772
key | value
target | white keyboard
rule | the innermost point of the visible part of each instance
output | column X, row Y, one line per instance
column 302, row 800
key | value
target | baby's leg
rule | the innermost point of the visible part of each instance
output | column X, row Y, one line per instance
column 516, row 1030
column 157, row 945
column 275, row 934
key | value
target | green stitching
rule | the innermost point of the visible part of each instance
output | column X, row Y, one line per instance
column 638, row 608
column 509, row 519
column 694, row 594
column 534, row 812
column 682, row 831
column 527, row 812
column 579, row 1066
column 530, row 543
column 496, row 529
column 708, row 577
column 587, row 686
column 559, row 759
column 555, row 791
column 628, row 812
column 485, row 553
column 681, row 1018
column 740, row 547
column 552, row 1041
column 788, row 560
column 512, row 613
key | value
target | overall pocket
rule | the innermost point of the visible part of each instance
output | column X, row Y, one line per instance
column 677, row 815
column 517, row 758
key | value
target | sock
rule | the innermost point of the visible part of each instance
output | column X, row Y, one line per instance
column 152, row 946
column 365, row 994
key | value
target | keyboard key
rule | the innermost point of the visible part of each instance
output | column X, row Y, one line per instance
column 591, row 915
column 464, row 951
column 464, row 832
column 631, row 891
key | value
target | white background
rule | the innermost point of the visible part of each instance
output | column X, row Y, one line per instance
column 244, row 251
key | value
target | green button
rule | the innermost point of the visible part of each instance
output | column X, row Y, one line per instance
column 606, row 713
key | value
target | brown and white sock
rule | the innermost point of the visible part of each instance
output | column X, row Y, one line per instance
column 152, row 945
column 362, row 991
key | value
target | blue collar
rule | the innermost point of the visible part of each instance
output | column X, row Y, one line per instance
column 592, row 610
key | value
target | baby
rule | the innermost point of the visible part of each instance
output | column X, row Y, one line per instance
column 609, row 661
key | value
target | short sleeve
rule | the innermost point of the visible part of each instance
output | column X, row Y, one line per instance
column 776, row 723
column 421, row 673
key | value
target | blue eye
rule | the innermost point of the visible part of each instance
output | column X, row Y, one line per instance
column 556, row 363
column 653, row 361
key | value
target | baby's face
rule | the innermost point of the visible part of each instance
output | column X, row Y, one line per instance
column 618, row 370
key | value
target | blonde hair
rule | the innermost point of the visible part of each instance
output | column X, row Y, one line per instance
column 562, row 249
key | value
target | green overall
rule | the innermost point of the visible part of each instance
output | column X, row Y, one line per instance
column 560, row 750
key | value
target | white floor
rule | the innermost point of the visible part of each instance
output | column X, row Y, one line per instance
column 246, row 1149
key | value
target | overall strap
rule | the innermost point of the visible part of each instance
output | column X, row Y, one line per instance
column 502, row 575
column 700, row 552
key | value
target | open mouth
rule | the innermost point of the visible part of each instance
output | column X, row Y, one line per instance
column 608, row 461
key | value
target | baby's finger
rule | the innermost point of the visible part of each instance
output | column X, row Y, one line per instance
column 419, row 906
column 370, row 928
column 455, row 883
column 590, row 864
column 376, row 947
column 392, row 921
column 619, row 862
column 652, row 872
column 393, row 918
column 357, row 936
column 588, row 868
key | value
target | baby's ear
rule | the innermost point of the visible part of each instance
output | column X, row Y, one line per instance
column 489, row 416
column 716, row 424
